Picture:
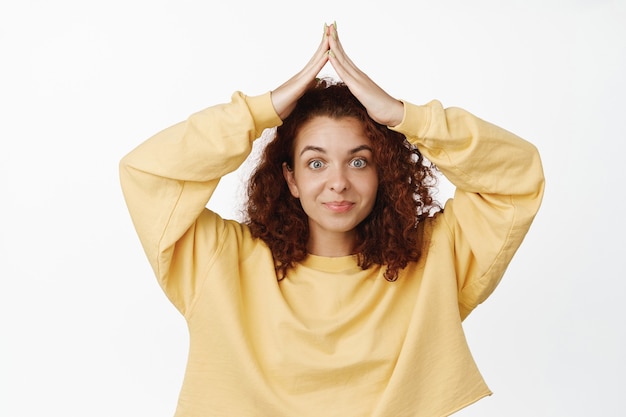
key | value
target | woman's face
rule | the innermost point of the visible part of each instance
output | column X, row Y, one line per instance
column 334, row 176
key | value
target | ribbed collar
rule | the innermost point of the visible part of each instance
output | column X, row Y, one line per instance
column 328, row 264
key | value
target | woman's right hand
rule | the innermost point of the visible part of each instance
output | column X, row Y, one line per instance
column 284, row 98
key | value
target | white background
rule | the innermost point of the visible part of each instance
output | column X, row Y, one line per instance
column 85, row 329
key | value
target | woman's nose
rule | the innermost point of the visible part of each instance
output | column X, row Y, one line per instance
column 338, row 180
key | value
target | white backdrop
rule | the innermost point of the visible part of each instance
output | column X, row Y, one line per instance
column 86, row 331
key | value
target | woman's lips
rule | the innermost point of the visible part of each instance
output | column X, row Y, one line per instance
column 339, row 206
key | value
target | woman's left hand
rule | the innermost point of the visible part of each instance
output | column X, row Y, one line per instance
column 380, row 106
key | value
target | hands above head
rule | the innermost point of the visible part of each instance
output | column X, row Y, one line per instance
column 381, row 107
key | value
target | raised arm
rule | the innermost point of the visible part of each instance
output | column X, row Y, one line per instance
column 498, row 177
column 499, row 187
column 168, row 180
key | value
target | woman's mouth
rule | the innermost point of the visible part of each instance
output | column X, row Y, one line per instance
column 339, row 206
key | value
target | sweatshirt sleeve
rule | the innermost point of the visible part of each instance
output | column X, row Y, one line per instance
column 168, row 180
column 499, row 186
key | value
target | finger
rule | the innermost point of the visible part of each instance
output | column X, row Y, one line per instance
column 320, row 57
column 337, row 47
column 334, row 42
column 344, row 66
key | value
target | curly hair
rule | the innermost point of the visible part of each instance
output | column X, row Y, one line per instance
column 390, row 235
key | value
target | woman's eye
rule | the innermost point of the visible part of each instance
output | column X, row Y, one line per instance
column 316, row 164
column 358, row 163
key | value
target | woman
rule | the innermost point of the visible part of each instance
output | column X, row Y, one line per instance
column 379, row 199
column 344, row 292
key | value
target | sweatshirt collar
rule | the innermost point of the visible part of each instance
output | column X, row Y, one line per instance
column 328, row 264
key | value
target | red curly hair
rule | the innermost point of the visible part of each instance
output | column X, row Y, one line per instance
column 391, row 235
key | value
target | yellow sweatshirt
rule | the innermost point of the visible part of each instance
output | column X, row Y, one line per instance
column 330, row 339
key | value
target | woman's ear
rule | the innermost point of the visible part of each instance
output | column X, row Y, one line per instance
column 291, row 180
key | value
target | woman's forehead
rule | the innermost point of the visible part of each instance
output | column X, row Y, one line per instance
column 331, row 134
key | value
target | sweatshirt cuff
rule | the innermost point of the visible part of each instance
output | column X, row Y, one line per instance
column 263, row 113
column 415, row 122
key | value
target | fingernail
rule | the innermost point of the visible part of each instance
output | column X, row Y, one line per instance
column 325, row 29
column 331, row 53
column 335, row 31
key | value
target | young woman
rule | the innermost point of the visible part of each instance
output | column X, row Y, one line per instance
column 343, row 292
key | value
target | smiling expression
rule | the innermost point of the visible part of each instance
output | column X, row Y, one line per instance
column 335, row 177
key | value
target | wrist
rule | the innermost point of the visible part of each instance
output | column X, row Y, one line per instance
column 396, row 115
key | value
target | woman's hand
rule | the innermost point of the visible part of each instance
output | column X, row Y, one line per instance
column 380, row 106
column 284, row 98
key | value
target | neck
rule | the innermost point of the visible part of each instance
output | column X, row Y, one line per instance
column 332, row 245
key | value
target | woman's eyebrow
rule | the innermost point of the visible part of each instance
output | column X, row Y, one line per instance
column 322, row 150
column 361, row 148
column 312, row 148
